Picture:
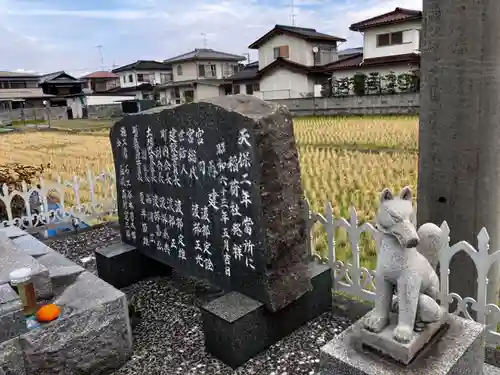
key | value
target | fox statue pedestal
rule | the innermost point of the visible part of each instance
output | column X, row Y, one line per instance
column 456, row 350
column 407, row 332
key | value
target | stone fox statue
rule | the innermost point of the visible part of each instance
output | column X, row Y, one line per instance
column 402, row 267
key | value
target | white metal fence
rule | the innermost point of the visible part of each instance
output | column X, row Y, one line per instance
column 349, row 277
column 353, row 279
column 39, row 209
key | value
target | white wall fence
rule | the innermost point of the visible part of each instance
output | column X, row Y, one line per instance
column 348, row 277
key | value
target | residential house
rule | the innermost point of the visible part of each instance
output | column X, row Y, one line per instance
column 101, row 81
column 20, row 90
column 67, row 92
column 140, row 78
column 290, row 60
column 391, row 45
column 246, row 81
column 199, row 74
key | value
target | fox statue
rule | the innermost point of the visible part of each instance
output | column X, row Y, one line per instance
column 406, row 265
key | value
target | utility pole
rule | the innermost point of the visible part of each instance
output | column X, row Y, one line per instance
column 293, row 12
column 204, row 35
column 459, row 135
column 247, row 54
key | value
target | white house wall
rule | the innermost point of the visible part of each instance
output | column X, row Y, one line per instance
column 190, row 70
column 300, row 51
column 124, row 82
column 206, row 91
column 283, row 84
column 410, row 40
column 106, row 99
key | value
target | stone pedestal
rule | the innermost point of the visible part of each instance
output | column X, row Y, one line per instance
column 459, row 351
column 122, row 265
column 238, row 328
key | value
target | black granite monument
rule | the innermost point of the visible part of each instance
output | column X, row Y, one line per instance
column 213, row 189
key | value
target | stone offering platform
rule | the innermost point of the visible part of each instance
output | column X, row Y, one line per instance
column 91, row 335
column 458, row 351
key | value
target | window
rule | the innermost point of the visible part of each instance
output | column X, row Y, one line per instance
column 227, row 70
column 130, row 78
column 256, row 87
column 389, row 39
column 281, row 51
column 165, row 77
column 249, row 88
column 179, row 70
column 213, row 70
column 177, row 93
column 140, row 77
column 201, row 70
column 124, row 80
column 236, row 89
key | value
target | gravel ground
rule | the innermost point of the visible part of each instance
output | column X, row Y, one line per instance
column 169, row 340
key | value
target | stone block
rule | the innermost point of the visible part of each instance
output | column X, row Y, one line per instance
column 458, row 351
column 12, row 318
column 491, row 370
column 31, row 245
column 12, row 231
column 92, row 336
column 384, row 341
column 238, row 328
column 11, row 358
column 122, row 265
column 12, row 257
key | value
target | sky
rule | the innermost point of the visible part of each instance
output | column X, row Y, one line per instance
column 43, row 36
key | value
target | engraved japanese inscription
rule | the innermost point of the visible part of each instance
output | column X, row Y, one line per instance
column 191, row 195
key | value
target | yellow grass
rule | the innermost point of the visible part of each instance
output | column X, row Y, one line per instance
column 343, row 160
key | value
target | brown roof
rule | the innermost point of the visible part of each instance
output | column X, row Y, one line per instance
column 357, row 61
column 281, row 62
column 300, row 32
column 101, row 74
column 350, row 62
column 396, row 16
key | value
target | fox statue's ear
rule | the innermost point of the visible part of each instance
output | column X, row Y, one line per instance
column 386, row 195
column 406, row 194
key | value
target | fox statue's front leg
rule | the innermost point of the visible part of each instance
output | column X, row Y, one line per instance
column 379, row 318
column 408, row 295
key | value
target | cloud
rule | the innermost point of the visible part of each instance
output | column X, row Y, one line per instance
column 50, row 35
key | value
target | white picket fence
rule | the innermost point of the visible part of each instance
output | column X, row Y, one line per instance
column 349, row 277
column 38, row 213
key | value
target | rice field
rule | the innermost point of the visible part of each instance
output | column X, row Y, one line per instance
column 346, row 161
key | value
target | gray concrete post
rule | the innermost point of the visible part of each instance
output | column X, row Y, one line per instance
column 459, row 141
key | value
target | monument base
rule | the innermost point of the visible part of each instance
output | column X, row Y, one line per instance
column 459, row 351
column 121, row 265
column 385, row 343
column 238, row 328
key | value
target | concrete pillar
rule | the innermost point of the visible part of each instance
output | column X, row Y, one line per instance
column 459, row 141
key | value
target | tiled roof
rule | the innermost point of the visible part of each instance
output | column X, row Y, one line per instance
column 118, row 90
column 280, row 62
column 101, row 74
column 396, row 16
column 300, row 32
column 10, row 94
column 356, row 61
column 346, row 63
column 204, row 54
column 143, row 65
column 248, row 73
column 349, row 52
column 56, row 77
column 17, row 75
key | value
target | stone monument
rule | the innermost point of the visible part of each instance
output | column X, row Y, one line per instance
column 213, row 189
column 407, row 332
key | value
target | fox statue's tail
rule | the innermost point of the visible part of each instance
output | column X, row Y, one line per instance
column 430, row 242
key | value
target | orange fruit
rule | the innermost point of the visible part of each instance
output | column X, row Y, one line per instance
column 48, row 313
